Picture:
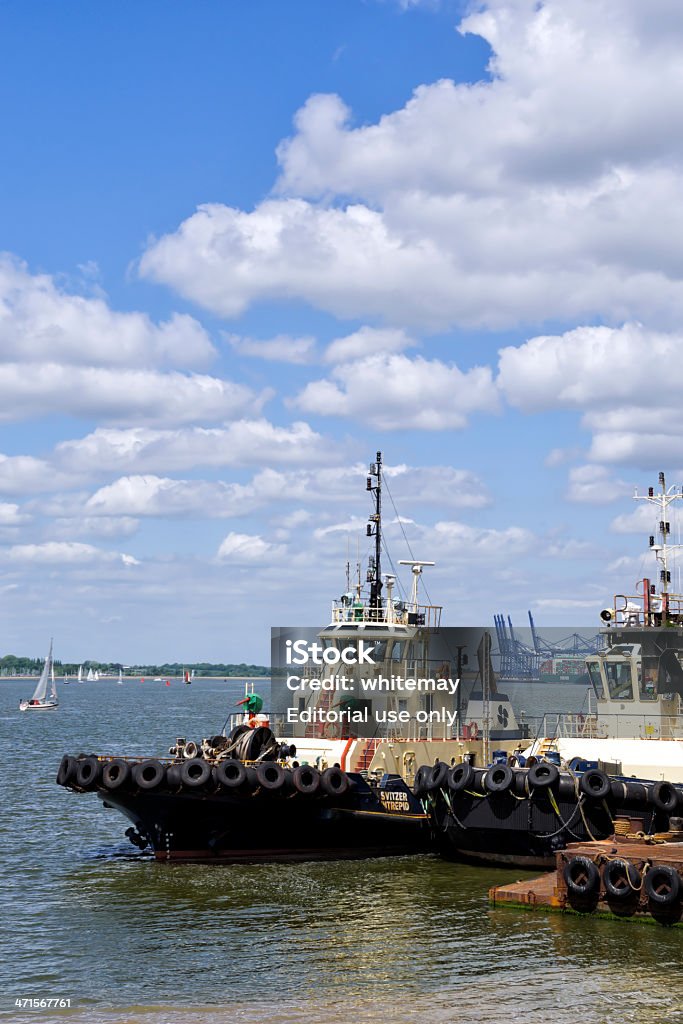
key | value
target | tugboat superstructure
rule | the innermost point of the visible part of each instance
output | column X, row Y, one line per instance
column 636, row 718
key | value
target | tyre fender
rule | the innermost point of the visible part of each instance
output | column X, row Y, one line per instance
column 230, row 774
column 663, row 885
column 66, row 773
column 116, row 774
column 306, row 780
column 582, row 877
column 664, row 797
column 436, row 776
column 149, row 774
column 195, row 773
column 595, row 784
column 543, row 775
column 460, row 777
column 335, row 782
column 272, row 778
column 621, row 879
column 422, row 776
column 88, row 773
column 499, row 778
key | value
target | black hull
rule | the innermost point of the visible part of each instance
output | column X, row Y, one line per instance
column 525, row 827
column 212, row 826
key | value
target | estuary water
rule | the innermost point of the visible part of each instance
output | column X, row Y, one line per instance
column 86, row 918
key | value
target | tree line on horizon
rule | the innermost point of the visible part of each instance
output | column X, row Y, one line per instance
column 11, row 664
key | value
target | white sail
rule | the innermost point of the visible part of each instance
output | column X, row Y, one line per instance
column 90, row 676
column 45, row 677
column 80, row 673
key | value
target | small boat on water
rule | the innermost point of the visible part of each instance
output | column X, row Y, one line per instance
column 42, row 700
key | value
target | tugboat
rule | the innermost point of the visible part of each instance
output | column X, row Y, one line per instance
column 243, row 797
column 513, row 815
column 617, row 769
column 636, row 721
column 251, row 795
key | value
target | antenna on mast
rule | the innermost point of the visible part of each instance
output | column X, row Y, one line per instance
column 661, row 500
column 374, row 529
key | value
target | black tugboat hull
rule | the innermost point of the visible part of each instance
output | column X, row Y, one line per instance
column 213, row 828
column 525, row 827
column 212, row 825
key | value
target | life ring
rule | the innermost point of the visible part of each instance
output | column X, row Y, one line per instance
column 663, row 885
column 581, row 876
column 332, row 731
column 473, row 730
column 621, row 879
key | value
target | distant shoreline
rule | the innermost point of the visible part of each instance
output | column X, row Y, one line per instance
column 104, row 679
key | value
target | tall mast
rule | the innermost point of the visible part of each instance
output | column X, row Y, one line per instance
column 374, row 529
column 662, row 500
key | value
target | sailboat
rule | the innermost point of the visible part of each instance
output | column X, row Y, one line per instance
column 90, row 676
column 40, row 700
column 187, row 677
column 80, row 673
column 120, row 679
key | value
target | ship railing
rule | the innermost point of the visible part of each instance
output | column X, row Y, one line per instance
column 564, row 725
column 627, row 610
column 427, row 616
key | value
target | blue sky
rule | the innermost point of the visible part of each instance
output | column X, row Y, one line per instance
column 247, row 245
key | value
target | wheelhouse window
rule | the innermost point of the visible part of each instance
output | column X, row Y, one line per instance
column 619, row 679
column 397, row 648
column 647, row 679
column 595, row 678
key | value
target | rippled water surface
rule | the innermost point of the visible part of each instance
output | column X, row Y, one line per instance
column 127, row 940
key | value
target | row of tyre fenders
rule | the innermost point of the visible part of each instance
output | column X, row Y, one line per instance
column 196, row 774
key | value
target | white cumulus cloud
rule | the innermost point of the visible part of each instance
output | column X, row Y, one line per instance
column 41, row 322
column 282, row 348
column 549, row 189
column 244, row 548
column 115, row 395
column 242, row 443
column 393, row 392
